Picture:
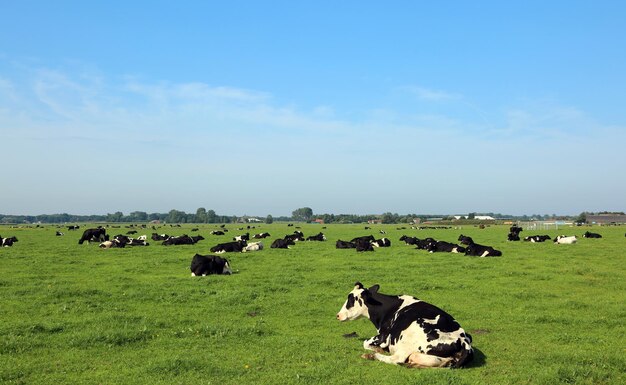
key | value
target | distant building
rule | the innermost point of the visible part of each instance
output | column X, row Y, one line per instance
column 606, row 219
column 375, row 221
column 476, row 217
column 318, row 221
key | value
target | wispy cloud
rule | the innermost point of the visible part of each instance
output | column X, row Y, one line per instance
column 429, row 94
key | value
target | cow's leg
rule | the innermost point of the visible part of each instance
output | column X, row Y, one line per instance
column 421, row 360
column 373, row 344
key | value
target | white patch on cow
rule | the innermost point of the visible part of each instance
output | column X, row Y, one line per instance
column 486, row 253
column 193, row 274
column 357, row 310
column 227, row 269
column 220, row 251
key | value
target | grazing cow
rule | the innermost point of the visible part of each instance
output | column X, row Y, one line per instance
column 282, row 243
column 202, row 265
column 253, row 246
column 7, row 242
column 319, row 237
column 587, row 234
column 344, row 245
column 408, row 240
column 59, row 234
column 476, row 250
column 94, row 235
column 537, row 238
column 157, row 237
column 229, row 247
column 445, row 247
column 565, row 240
column 261, row 236
column 178, row 240
column 363, row 244
column 242, row 237
column 413, row 332
column 464, row 240
column 383, row 242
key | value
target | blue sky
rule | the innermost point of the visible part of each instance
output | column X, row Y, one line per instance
column 346, row 107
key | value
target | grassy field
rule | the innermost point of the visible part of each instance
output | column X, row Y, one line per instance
column 77, row 314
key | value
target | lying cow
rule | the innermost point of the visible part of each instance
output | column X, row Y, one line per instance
column 202, row 265
column 408, row 240
column 253, row 246
column 242, row 237
column 587, row 234
column 229, row 247
column 536, row 238
column 465, row 240
column 319, row 237
column 282, row 243
column 363, row 244
column 444, row 247
column 413, row 332
column 476, row 250
column 565, row 240
column 344, row 244
column 261, row 235
column 383, row 242
column 178, row 240
column 7, row 242
column 159, row 237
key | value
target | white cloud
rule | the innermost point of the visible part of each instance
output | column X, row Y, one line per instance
column 429, row 94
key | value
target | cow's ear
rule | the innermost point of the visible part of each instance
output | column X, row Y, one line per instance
column 358, row 285
column 374, row 289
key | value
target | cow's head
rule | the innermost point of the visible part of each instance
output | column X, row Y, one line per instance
column 226, row 269
column 356, row 305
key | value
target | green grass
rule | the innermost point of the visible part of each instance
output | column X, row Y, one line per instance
column 77, row 314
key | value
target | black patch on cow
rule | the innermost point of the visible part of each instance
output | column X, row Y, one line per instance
column 350, row 302
column 445, row 350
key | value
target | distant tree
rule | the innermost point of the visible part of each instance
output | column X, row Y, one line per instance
column 117, row 217
column 269, row 220
column 138, row 216
column 303, row 214
column 389, row 218
column 175, row 216
column 471, row 216
column 581, row 218
column 201, row 215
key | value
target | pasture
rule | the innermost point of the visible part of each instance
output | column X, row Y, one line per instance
column 77, row 314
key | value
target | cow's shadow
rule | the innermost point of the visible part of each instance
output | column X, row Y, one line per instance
column 480, row 359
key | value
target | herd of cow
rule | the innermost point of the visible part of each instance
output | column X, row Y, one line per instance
column 411, row 332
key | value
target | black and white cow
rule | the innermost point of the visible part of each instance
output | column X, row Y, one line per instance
column 465, row 240
column 7, row 242
column 319, row 237
column 296, row 236
column 94, row 235
column 344, row 245
column 587, row 234
column 536, row 238
column 178, row 240
column 368, row 238
column 514, row 233
column 202, row 265
column 242, row 237
column 363, row 244
column 229, row 247
column 476, row 250
column 413, row 332
column 261, row 236
column 159, row 237
column 444, row 247
column 565, row 240
column 282, row 243
column 59, row 234
column 422, row 244
column 408, row 240
column 217, row 232
column 253, row 246
column 383, row 242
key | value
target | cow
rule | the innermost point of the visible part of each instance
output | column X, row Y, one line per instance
column 514, row 233
column 476, row 250
column 422, row 244
column 202, row 265
column 159, row 237
column 178, row 240
column 217, row 232
column 565, row 240
column 282, row 243
column 513, row 237
column 242, row 237
column 94, row 235
column 7, row 242
column 369, row 238
column 465, row 240
column 59, row 234
column 73, row 227
column 229, row 247
column 142, row 238
column 587, row 234
column 296, row 236
column 344, row 245
column 413, row 332
column 363, row 244
column 443, row 246
column 383, row 242
column 253, row 246
column 408, row 240
column 537, row 238
column 319, row 237
column 261, row 236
